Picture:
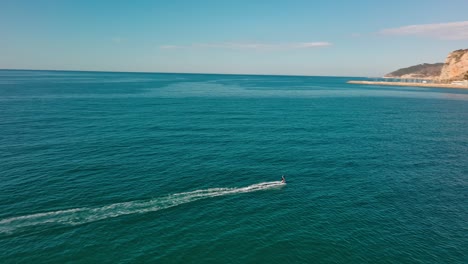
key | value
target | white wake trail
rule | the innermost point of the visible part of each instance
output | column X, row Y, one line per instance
column 84, row 215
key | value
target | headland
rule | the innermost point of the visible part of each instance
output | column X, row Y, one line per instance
column 451, row 74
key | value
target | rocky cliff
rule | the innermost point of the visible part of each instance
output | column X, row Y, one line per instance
column 456, row 66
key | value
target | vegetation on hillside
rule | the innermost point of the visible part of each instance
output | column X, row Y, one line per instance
column 421, row 70
column 424, row 70
column 458, row 54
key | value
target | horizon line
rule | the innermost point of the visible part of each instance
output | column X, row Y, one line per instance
column 206, row 73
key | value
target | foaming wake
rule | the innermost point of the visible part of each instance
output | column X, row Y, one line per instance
column 84, row 215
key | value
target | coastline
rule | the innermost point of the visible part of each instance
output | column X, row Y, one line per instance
column 429, row 85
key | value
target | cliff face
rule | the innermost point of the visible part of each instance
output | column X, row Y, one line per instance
column 456, row 66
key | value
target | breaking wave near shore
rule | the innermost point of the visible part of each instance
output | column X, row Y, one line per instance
column 78, row 216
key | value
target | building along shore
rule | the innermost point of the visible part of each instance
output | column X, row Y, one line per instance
column 462, row 85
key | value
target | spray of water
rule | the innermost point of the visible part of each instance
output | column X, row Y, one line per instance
column 77, row 216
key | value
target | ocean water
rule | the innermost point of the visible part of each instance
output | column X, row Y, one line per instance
column 186, row 168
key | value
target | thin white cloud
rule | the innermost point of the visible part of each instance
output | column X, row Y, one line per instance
column 448, row 31
column 251, row 46
column 307, row 45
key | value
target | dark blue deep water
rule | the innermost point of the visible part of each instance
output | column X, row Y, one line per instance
column 185, row 168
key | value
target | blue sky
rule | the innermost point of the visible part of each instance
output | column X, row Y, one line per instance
column 337, row 38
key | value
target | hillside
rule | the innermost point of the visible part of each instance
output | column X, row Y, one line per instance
column 455, row 68
column 425, row 70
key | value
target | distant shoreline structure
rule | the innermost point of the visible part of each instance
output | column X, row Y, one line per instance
column 462, row 85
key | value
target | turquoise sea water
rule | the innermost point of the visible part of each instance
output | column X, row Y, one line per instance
column 185, row 168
